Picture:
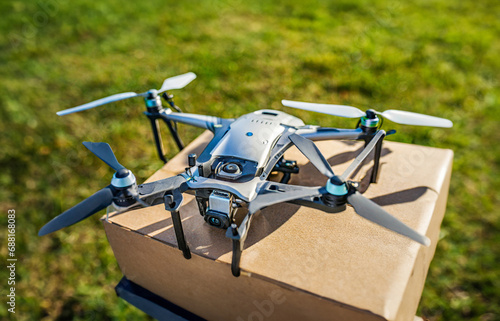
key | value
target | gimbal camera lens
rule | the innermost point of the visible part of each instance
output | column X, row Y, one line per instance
column 214, row 221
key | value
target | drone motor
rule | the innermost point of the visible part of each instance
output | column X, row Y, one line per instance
column 125, row 183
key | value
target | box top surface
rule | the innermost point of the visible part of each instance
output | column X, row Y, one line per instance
column 341, row 257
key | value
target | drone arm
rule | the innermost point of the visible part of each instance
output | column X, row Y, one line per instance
column 201, row 121
column 153, row 193
column 168, row 190
column 322, row 133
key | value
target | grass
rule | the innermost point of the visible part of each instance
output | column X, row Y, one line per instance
column 430, row 56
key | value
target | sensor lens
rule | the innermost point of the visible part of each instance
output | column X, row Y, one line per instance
column 214, row 221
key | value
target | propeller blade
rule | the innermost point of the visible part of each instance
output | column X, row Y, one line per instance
column 98, row 102
column 84, row 209
column 105, row 153
column 335, row 110
column 409, row 118
column 309, row 149
column 271, row 198
column 373, row 212
column 361, row 157
column 397, row 116
column 177, row 82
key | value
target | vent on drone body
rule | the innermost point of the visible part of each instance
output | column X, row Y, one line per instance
column 262, row 121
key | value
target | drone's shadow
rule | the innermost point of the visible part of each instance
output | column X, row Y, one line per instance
column 211, row 242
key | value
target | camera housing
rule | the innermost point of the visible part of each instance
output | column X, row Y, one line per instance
column 220, row 209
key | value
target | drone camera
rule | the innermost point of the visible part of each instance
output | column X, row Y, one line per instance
column 220, row 209
column 230, row 170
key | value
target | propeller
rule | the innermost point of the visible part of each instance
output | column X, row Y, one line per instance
column 271, row 198
column 176, row 82
column 337, row 185
column 397, row 116
column 122, row 180
column 372, row 212
column 311, row 151
column 105, row 153
column 81, row 211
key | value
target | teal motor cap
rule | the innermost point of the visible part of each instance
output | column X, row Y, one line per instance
column 336, row 187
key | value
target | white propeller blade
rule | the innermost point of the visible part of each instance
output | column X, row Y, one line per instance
column 98, row 102
column 177, row 82
column 334, row 110
column 397, row 116
column 409, row 118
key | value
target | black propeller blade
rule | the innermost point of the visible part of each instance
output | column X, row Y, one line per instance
column 82, row 210
column 105, row 153
column 373, row 212
column 97, row 201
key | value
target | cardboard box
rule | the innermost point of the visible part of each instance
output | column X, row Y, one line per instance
column 299, row 263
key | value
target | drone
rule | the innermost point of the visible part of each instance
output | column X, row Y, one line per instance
column 231, row 173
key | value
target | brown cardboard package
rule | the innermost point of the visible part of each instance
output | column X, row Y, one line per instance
column 299, row 263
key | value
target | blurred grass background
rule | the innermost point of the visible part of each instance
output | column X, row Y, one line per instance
column 430, row 56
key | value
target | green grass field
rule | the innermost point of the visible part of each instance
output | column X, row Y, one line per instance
column 431, row 56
